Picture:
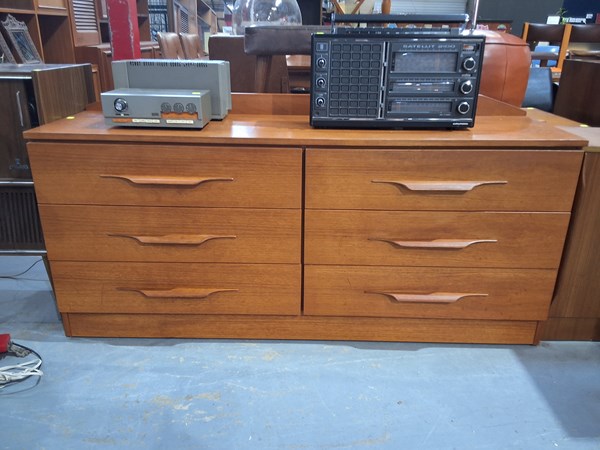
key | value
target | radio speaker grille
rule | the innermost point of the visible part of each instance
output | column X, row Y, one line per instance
column 20, row 227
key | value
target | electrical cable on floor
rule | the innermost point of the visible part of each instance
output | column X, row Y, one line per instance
column 16, row 373
column 16, row 277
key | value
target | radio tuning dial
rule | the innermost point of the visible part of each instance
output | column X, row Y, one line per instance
column 321, row 82
column 466, row 87
column 321, row 62
column 320, row 101
column 469, row 64
column 463, row 108
column 120, row 104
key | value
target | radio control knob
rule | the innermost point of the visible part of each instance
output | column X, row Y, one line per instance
column 321, row 82
column 463, row 108
column 120, row 104
column 469, row 64
column 321, row 62
column 466, row 87
column 320, row 101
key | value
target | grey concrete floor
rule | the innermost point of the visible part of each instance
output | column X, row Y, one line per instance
column 220, row 394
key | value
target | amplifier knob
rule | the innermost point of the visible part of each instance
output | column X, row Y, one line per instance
column 466, row 87
column 463, row 108
column 321, row 82
column 321, row 62
column 469, row 64
column 320, row 101
column 120, row 105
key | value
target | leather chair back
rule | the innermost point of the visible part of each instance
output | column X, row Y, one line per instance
column 192, row 46
column 536, row 32
column 584, row 41
column 505, row 71
column 170, row 46
column 589, row 33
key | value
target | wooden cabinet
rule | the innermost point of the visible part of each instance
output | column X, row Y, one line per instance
column 460, row 234
column 48, row 24
column 575, row 310
column 259, row 226
column 32, row 95
column 36, row 94
column 206, row 230
column 578, row 94
column 16, row 117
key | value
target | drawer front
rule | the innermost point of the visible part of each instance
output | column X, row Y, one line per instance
column 441, row 179
column 130, row 233
column 160, row 175
column 510, row 294
column 175, row 288
column 448, row 239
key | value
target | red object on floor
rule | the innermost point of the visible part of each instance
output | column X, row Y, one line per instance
column 4, row 342
column 124, row 29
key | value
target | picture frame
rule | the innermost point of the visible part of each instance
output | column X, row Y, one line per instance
column 5, row 53
column 19, row 37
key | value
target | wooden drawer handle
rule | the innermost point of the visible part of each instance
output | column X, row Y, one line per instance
column 434, row 297
column 175, row 239
column 166, row 181
column 177, row 292
column 448, row 186
column 436, row 243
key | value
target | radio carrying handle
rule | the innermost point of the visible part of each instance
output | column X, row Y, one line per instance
column 399, row 18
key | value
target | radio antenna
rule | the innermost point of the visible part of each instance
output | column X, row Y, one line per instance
column 474, row 12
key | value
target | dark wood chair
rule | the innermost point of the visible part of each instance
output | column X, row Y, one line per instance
column 554, row 34
column 584, row 41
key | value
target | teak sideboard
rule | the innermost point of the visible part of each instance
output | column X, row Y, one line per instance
column 260, row 227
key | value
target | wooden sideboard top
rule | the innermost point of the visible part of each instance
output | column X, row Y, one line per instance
column 294, row 130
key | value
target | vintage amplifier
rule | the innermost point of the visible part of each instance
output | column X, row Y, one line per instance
column 196, row 75
column 395, row 78
column 168, row 108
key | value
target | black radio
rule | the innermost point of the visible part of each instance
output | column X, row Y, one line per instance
column 403, row 78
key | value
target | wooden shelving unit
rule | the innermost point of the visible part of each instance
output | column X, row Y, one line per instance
column 207, row 18
column 48, row 24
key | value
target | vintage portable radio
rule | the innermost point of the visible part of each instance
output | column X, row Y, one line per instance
column 395, row 78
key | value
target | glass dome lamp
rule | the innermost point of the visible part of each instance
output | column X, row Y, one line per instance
column 247, row 13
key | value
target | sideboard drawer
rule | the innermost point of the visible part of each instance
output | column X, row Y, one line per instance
column 162, row 175
column 481, row 180
column 511, row 294
column 449, row 239
column 177, row 288
column 134, row 233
